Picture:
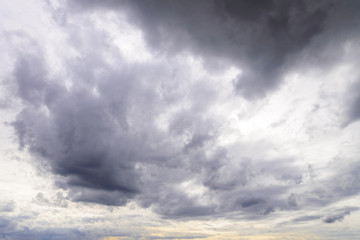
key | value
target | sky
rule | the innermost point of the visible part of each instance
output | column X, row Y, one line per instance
column 164, row 119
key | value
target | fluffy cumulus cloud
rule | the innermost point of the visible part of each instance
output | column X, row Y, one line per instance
column 238, row 110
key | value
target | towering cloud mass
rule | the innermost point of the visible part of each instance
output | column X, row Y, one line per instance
column 195, row 109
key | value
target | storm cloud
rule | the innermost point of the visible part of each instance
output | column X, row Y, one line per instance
column 176, row 131
column 263, row 38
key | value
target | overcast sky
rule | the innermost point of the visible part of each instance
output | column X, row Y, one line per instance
column 164, row 119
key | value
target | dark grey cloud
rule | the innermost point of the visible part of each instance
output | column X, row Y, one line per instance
column 250, row 202
column 307, row 218
column 7, row 206
column 5, row 223
column 57, row 199
column 335, row 217
column 9, row 229
column 355, row 109
column 353, row 103
column 263, row 38
column 97, row 126
column 79, row 141
column 101, row 138
column 100, row 135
